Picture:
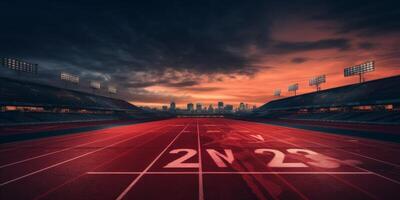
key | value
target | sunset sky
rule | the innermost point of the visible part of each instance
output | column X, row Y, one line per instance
column 204, row 51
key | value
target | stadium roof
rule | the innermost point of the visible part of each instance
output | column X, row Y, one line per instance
column 375, row 92
column 21, row 93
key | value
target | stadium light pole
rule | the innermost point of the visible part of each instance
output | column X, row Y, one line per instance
column 69, row 78
column 95, row 85
column 277, row 92
column 293, row 88
column 19, row 66
column 360, row 70
column 317, row 81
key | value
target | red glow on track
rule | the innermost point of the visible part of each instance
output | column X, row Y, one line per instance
column 200, row 158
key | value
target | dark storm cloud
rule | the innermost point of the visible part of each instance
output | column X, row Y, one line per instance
column 167, row 83
column 182, row 84
column 367, row 17
column 292, row 47
column 366, row 45
column 135, row 36
column 299, row 60
column 171, row 43
column 202, row 89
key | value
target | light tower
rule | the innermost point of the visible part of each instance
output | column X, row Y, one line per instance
column 277, row 92
column 293, row 88
column 317, row 81
column 95, row 85
column 69, row 78
column 360, row 70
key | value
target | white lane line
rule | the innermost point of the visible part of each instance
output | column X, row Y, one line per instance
column 25, row 144
column 54, row 152
column 357, row 167
column 213, row 131
column 71, row 159
column 223, row 173
column 126, row 190
column 201, row 190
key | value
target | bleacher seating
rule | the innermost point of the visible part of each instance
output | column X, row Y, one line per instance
column 374, row 92
column 308, row 106
column 13, row 92
column 53, row 100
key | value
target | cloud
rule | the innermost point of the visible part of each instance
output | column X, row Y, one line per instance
column 299, row 60
column 365, row 17
column 135, row 37
column 366, row 45
column 177, row 44
column 203, row 89
column 284, row 47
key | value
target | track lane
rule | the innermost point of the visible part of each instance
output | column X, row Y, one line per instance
column 107, row 173
column 382, row 151
column 389, row 179
column 40, row 148
column 257, row 164
column 91, row 154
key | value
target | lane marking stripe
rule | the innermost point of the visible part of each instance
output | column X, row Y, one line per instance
column 74, row 158
column 222, row 173
column 201, row 190
column 126, row 190
column 58, row 151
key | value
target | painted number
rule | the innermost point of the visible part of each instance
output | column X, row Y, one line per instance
column 179, row 163
column 278, row 159
column 221, row 159
column 318, row 160
column 217, row 157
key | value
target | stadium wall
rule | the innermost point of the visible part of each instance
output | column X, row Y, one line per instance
column 27, row 102
column 376, row 101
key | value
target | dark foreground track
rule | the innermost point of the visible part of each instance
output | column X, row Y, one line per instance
column 200, row 158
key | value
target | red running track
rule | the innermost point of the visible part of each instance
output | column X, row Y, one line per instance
column 200, row 158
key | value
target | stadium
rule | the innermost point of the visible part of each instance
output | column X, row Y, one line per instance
column 340, row 136
column 199, row 100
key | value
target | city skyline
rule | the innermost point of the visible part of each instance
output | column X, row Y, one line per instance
column 215, row 106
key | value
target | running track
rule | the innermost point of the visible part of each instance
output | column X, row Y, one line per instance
column 200, row 158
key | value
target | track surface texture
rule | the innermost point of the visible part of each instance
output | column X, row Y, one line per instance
column 200, row 158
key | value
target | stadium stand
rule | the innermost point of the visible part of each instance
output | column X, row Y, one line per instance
column 376, row 101
column 24, row 102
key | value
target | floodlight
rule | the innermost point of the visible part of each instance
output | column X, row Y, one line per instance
column 360, row 70
column 317, row 81
column 19, row 65
column 277, row 93
column 95, row 84
column 112, row 90
column 293, row 88
column 69, row 77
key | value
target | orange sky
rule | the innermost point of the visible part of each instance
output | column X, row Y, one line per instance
column 278, row 70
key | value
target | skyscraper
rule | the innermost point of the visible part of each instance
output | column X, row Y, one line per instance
column 220, row 106
column 242, row 106
column 228, row 108
column 210, row 108
column 190, row 107
column 172, row 107
column 198, row 107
